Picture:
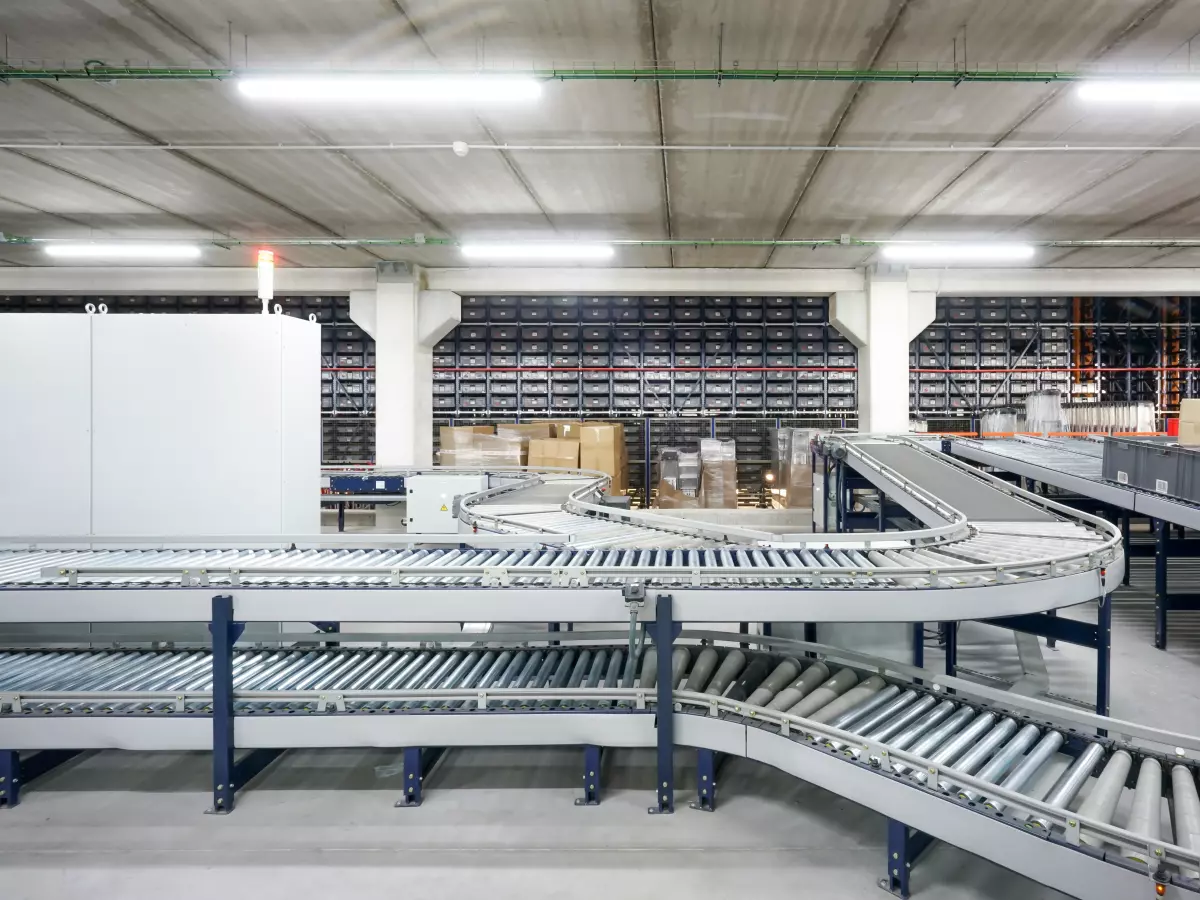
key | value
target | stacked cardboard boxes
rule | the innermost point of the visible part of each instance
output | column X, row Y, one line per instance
column 559, row 444
column 1189, row 423
column 601, row 449
column 553, row 453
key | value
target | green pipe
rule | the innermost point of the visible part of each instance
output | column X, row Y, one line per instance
column 1101, row 244
column 96, row 70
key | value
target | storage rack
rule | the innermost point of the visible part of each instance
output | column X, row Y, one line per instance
column 989, row 352
column 632, row 356
column 347, row 355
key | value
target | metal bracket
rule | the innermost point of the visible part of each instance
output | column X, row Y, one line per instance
column 481, row 700
column 11, row 700
column 640, row 701
column 178, row 706
column 336, row 700
column 1071, row 832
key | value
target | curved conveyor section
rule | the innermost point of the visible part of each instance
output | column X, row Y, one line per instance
column 1004, row 552
column 1031, row 786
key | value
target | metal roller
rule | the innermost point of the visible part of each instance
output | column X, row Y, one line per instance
column 907, row 736
column 1069, row 784
column 490, row 678
column 831, row 691
column 1028, row 768
column 751, row 678
column 702, row 669
column 899, row 732
column 937, row 738
column 681, row 658
column 1145, row 816
column 729, row 669
column 612, row 678
column 649, row 676
column 783, row 675
column 1003, row 760
column 1187, row 811
column 559, row 679
column 809, row 680
column 856, row 703
column 876, row 717
column 972, row 759
column 540, row 676
column 1101, row 802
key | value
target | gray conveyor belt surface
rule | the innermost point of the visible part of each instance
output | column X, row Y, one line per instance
column 968, row 495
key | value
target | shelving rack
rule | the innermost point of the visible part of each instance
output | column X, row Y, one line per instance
column 989, row 352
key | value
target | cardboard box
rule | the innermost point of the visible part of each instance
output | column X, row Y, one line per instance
column 523, row 434
column 601, row 449
column 1189, row 433
column 558, row 427
column 551, row 453
column 451, row 437
column 1189, row 411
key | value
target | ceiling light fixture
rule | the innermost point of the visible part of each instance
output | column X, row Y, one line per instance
column 533, row 250
column 1158, row 92
column 948, row 253
column 123, row 251
column 415, row 90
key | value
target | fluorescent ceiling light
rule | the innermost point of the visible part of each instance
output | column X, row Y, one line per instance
column 123, row 251
column 423, row 90
column 535, row 250
column 938, row 253
column 1148, row 92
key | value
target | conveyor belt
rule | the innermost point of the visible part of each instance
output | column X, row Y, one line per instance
column 1076, row 466
column 976, row 499
column 1007, row 767
column 602, row 548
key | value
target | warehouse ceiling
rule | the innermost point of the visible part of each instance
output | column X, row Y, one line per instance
column 563, row 176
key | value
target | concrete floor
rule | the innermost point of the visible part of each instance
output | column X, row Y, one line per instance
column 502, row 822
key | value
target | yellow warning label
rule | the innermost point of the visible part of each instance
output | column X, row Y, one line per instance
column 444, row 508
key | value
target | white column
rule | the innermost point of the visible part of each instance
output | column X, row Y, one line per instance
column 881, row 320
column 406, row 322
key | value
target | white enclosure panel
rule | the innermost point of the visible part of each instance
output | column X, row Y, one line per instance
column 188, row 424
column 300, row 401
column 45, row 435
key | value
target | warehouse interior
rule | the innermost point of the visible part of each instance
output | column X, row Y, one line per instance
column 392, row 388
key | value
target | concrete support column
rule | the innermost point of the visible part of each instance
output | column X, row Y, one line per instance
column 880, row 320
column 406, row 321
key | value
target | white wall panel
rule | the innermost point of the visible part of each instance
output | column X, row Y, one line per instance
column 45, row 432
column 300, row 424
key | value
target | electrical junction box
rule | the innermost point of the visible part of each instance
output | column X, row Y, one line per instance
column 432, row 501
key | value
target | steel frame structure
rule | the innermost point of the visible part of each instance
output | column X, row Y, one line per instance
column 1075, row 467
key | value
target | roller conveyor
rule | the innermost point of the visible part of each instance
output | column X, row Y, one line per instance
column 1016, row 771
column 1028, row 555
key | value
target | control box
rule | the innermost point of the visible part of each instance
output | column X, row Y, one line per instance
column 433, row 501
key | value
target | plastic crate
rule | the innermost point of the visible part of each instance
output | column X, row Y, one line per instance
column 1154, row 464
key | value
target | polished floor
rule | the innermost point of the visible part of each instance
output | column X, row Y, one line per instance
column 501, row 823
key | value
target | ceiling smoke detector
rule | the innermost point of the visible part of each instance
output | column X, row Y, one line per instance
column 460, row 148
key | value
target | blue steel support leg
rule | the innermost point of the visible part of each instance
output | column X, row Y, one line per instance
column 664, row 638
column 10, row 778
column 225, row 633
column 904, row 846
column 591, row 777
column 706, row 781
column 918, row 629
column 1125, row 544
column 342, row 515
column 1103, row 654
column 1161, row 597
column 951, row 648
column 1051, row 643
column 16, row 773
column 413, row 776
column 766, row 629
